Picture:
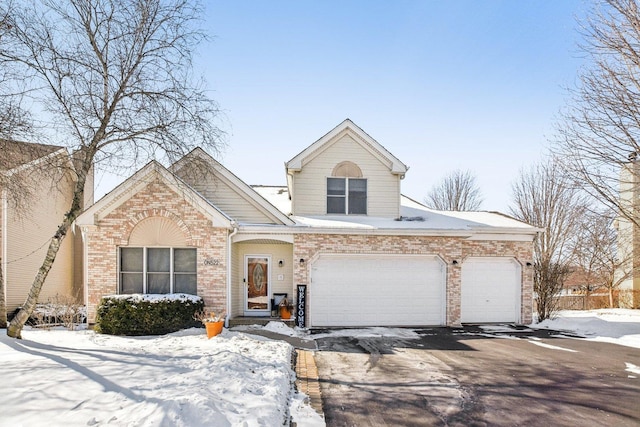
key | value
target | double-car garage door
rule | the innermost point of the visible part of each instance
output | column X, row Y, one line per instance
column 375, row 290
column 409, row 290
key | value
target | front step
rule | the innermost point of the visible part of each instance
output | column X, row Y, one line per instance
column 260, row 321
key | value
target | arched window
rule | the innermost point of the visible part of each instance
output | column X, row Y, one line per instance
column 347, row 190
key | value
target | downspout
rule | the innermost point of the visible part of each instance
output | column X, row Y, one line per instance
column 85, row 270
column 233, row 233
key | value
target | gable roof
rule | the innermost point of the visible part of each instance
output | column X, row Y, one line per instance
column 239, row 186
column 135, row 183
column 360, row 136
column 17, row 153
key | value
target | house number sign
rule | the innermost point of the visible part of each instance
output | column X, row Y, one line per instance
column 211, row 261
column 302, row 305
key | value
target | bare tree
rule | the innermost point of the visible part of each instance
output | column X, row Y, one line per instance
column 600, row 253
column 599, row 130
column 115, row 80
column 544, row 198
column 457, row 191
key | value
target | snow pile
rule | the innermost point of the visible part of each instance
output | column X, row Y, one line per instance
column 82, row 378
column 155, row 298
column 618, row 326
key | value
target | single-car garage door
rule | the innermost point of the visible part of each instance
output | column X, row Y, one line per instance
column 377, row 290
column 490, row 290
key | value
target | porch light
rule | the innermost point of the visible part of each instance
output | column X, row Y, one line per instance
column 281, row 263
column 301, row 262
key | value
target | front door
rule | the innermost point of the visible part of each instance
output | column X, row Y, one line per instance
column 257, row 281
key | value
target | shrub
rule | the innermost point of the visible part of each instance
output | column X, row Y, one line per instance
column 59, row 310
column 138, row 314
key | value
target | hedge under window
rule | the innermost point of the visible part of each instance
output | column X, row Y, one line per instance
column 158, row 270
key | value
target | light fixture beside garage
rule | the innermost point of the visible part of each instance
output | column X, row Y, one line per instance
column 301, row 262
column 454, row 262
column 281, row 263
column 529, row 264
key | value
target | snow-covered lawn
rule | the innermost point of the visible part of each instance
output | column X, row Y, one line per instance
column 618, row 326
column 81, row 378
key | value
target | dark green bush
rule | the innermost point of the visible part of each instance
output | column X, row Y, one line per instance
column 138, row 314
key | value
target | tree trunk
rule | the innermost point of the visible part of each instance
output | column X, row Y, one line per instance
column 3, row 302
column 610, row 297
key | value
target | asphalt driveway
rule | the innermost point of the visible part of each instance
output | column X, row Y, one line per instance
column 474, row 377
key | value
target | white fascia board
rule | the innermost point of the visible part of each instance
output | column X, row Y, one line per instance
column 511, row 235
column 38, row 161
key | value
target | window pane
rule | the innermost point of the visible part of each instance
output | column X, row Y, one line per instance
column 336, row 186
column 185, row 283
column 131, row 259
column 131, row 283
column 357, row 196
column 158, row 283
column 335, row 205
column 158, row 259
column 184, row 260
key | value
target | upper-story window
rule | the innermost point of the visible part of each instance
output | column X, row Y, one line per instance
column 347, row 190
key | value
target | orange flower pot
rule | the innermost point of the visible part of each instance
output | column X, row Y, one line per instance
column 213, row 328
column 285, row 313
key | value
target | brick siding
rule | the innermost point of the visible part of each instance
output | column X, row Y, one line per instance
column 155, row 200
column 310, row 246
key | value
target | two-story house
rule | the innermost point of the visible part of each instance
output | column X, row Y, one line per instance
column 365, row 254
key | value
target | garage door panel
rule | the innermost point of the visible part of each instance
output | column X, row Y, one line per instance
column 349, row 290
column 490, row 290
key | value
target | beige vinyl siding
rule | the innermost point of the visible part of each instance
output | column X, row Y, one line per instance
column 236, row 282
column 277, row 252
column 228, row 200
column 28, row 235
column 310, row 184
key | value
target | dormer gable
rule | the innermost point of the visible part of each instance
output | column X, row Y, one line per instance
column 346, row 172
column 347, row 127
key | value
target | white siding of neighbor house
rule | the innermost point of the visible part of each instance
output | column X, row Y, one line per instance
column 310, row 184
column 223, row 196
column 28, row 236
column 277, row 251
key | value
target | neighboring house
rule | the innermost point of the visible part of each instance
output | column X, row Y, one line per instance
column 629, row 236
column 36, row 189
column 367, row 254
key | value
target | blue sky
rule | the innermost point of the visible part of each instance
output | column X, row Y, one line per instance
column 441, row 84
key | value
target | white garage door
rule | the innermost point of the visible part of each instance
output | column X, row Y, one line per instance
column 387, row 290
column 490, row 290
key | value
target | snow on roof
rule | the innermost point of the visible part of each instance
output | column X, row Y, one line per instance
column 413, row 216
column 278, row 196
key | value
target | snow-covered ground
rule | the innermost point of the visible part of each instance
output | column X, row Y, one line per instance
column 617, row 326
column 80, row 378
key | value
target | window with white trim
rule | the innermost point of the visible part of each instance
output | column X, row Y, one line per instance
column 158, row 270
column 347, row 196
